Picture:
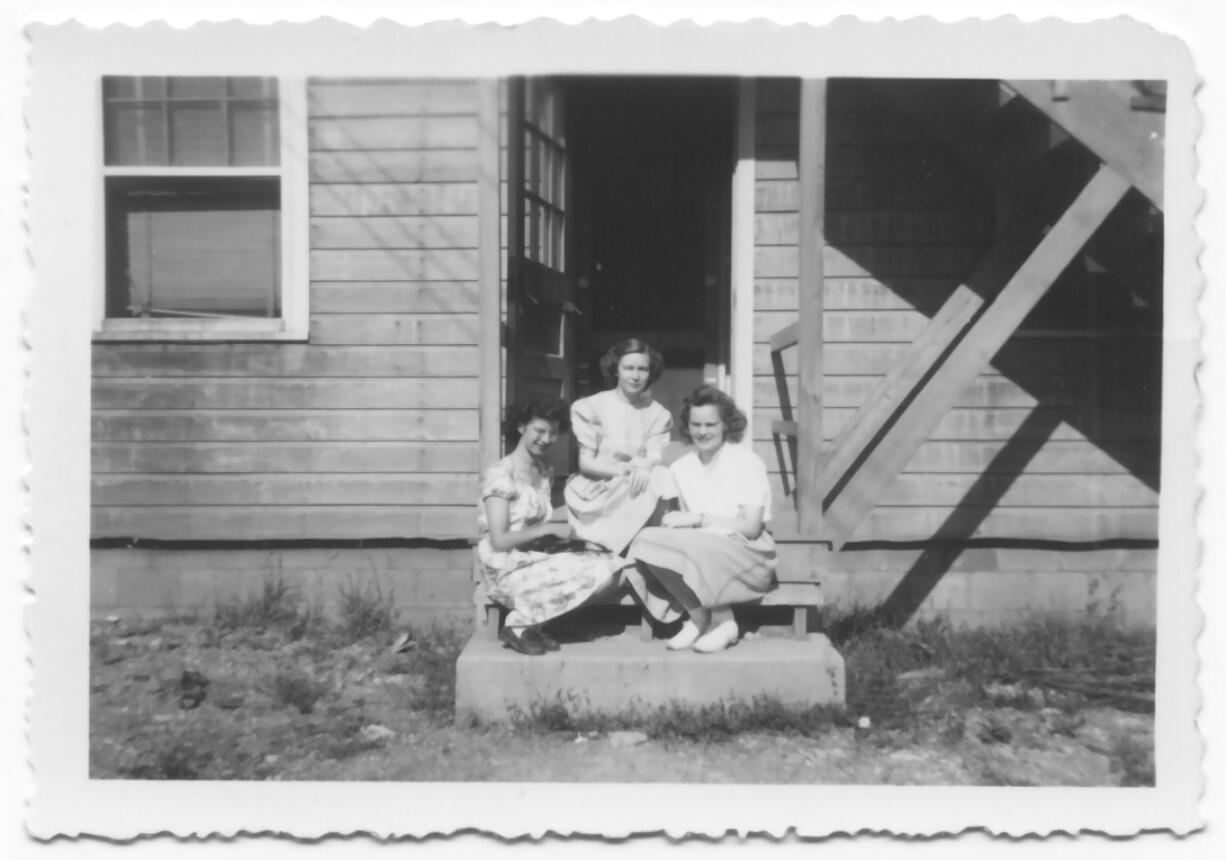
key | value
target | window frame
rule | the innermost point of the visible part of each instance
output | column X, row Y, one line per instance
column 293, row 322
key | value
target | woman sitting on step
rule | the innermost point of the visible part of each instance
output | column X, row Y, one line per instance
column 531, row 563
column 716, row 551
column 621, row 485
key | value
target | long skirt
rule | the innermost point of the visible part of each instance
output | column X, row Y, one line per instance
column 538, row 586
column 703, row 567
column 601, row 511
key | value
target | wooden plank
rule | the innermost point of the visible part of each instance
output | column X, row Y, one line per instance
column 873, row 327
column 377, row 199
column 395, row 265
column 863, row 261
column 929, row 193
column 881, row 226
column 282, row 489
column 399, row 231
column 395, row 329
column 1099, row 114
column 394, row 165
column 785, row 428
column 984, row 423
column 286, row 425
column 783, row 338
column 241, row 361
column 280, row 456
column 277, row 393
column 1021, row 358
column 390, row 98
column 846, row 294
column 1070, row 457
column 413, row 132
column 1065, row 524
column 855, row 559
column 490, row 269
column 394, row 297
column 776, row 196
column 848, row 503
column 987, row 391
column 319, row 522
column 809, row 334
column 890, row 393
column 1040, row 491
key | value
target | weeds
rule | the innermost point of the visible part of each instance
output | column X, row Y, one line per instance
column 295, row 688
column 366, row 610
column 275, row 604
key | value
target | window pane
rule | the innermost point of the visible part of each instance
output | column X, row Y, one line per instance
column 253, row 88
column 136, row 134
column 188, row 247
column 255, row 139
column 197, row 88
column 198, row 135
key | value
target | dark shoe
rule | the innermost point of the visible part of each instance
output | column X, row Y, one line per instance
column 536, row 633
column 521, row 643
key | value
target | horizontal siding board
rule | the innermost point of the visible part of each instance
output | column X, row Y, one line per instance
column 842, row 294
column 394, row 165
column 282, row 489
column 241, row 361
column 280, row 456
column 972, row 424
column 392, row 132
column 1042, row 491
column 878, row 227
column 985, row 391
column 872, row 261
column 395, row 329
column 289, row 425
column 394, row 265
column 1066, row 524
column 395, row 232
column 842, row 326
column 928, row 193
column 776, row 196
column 973, row 458
column 386, row 199
column 271, row 393
column 394, row 297
column 978, row 559
column 391, row 97
column 320, row 522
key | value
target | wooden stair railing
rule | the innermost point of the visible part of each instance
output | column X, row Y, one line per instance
column 1120, row 122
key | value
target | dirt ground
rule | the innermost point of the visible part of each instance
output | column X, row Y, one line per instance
column 194, row 700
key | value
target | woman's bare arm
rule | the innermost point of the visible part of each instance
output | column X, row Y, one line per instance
column 748, row 520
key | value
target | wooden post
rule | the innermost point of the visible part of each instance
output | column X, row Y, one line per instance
column 812, row 173
column 741, row 252
column 983, row 339
column 515, row 228
column 490, row 286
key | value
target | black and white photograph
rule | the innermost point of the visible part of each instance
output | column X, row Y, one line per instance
column 440, row 415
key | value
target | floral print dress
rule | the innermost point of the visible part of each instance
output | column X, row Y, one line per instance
column 535, row 586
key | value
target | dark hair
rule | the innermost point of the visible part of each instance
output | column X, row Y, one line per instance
column 708, row 395
column 631, row 346
column 523, row 412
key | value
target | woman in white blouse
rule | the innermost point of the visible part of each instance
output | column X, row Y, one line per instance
column 716, row 551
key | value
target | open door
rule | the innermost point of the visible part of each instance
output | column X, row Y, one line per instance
column 540, row 295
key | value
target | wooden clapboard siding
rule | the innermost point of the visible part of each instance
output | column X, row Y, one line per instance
column 906, row 221
column 369, row 429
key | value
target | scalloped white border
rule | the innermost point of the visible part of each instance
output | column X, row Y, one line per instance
column 990, row 49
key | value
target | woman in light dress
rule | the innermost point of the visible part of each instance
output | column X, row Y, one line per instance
column 621, row 484
column 716, row 550
column 529, row 559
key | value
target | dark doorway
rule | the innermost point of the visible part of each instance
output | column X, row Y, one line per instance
column 652, row 166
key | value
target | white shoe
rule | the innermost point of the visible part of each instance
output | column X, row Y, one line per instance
column 717, row 638
column 684, row 639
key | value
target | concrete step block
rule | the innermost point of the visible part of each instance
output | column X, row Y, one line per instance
column 622, row 672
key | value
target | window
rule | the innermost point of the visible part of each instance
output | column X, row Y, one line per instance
column 201, row 228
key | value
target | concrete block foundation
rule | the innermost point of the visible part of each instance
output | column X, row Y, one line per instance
column 620, row 673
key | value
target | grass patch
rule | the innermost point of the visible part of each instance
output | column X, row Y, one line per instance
column 296, row 688
column 366, row 610
column 716, row 723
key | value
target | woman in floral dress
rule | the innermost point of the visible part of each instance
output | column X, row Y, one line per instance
column 528, row 558
column 621, row 484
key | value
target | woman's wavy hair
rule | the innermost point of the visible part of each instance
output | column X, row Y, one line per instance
column 631, row 346
column 523, row 412
column 729, row 413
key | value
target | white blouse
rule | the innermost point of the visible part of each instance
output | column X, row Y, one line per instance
column 735, row 477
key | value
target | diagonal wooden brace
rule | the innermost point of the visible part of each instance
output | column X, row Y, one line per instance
column 985, row 336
